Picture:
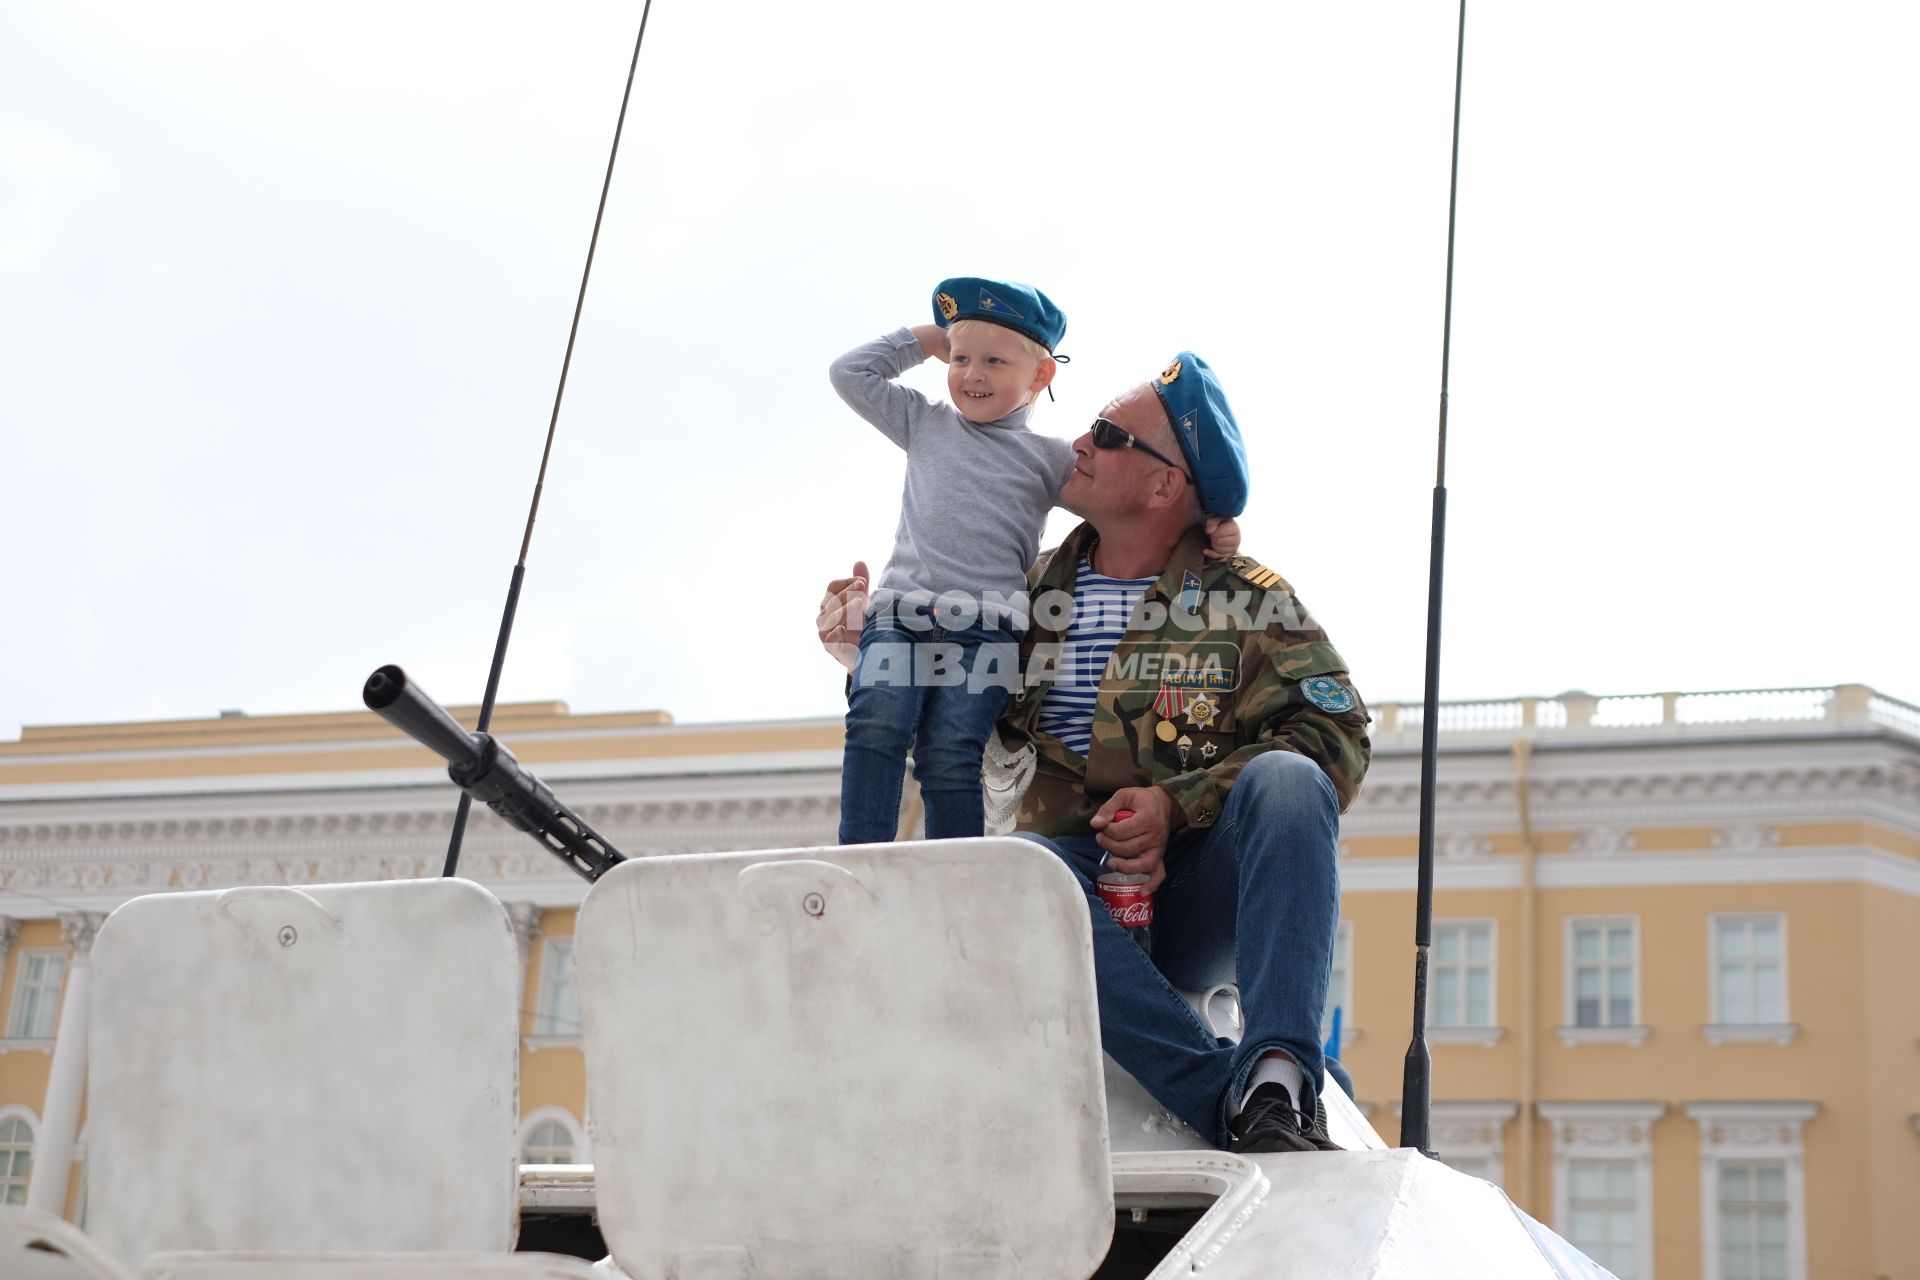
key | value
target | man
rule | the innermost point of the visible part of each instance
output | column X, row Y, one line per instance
column 1201, row 699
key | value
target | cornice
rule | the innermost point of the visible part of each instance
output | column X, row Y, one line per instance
column 1879, row 784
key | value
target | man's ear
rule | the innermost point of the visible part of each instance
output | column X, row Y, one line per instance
column 1043, row 376
column 1169, row 489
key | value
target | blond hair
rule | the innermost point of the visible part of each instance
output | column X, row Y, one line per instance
column 1035, row 350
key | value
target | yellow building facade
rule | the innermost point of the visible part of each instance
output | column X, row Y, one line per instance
column 1675, row 996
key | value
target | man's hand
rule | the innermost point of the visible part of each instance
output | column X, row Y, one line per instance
column 1138, row 845
column 843, row 612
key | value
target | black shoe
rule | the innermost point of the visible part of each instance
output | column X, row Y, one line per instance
column 1269, row 1122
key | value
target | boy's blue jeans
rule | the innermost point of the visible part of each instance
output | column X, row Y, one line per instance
column 1255, row 897
column 936, row 692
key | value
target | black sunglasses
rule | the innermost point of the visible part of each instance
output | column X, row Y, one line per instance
column 1111, row 435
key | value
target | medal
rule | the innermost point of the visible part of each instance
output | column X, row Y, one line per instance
column 1202, row 712
column 1169, row 703
column 1208, row 750
column 1186, row 746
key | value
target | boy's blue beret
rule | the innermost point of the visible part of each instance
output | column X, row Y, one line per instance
column 1020, row 307
column 1208, row 435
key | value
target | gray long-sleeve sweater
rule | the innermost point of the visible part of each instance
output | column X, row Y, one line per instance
column 976, row 495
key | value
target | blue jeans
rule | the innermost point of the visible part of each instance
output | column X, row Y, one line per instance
column 1256, row 898
column 906, row 697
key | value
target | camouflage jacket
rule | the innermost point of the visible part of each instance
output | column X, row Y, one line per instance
column 1219, row 664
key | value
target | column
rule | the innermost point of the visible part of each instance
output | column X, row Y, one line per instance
column 60, row 1118
column 525, row 919
column 9, row 929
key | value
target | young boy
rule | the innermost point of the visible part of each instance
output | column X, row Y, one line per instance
column 939, row 652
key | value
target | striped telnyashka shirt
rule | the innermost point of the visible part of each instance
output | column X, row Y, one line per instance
column 1102, row 607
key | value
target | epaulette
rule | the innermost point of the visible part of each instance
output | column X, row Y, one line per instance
column 1254, row 572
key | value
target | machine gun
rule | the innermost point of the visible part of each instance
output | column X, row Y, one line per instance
column 489, row 773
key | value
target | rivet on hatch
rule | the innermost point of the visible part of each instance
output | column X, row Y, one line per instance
column 287, row 936
column 814, row 904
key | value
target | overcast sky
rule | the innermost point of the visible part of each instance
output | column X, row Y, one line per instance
column 284, row 292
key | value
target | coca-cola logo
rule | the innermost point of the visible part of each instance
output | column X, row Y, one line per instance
column 1133, row 914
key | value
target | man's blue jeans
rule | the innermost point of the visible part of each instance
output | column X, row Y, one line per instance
column 905, row 697
column 1255, row 897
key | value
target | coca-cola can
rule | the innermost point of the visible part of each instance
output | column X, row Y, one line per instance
column 1128, row 902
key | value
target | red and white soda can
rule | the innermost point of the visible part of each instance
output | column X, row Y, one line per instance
column 1127, row 898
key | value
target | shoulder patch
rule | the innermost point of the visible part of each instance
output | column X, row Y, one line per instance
column 1255, row 572
column 1327, row 693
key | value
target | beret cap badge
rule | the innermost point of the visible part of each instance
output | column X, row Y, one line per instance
column 948, row 307
column 1168, row 374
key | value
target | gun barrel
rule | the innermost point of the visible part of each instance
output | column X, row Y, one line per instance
column 483, row 768
column 404, row 705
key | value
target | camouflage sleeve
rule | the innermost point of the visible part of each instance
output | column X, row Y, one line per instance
column 1277, row 715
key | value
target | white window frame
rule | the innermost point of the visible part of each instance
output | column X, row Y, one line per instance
column 13, row 1111
column 543, row 1036
column 1492, row 1032
column 582, row 1148
column 1744, row 1132
column 1617, row 1131
column 1634, row 1032
column 1717, row 1032
column 1470, row 1131
column 1343, row 961
column 15, row 1009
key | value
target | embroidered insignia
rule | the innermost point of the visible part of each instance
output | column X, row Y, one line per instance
column 1189, row 600
column 1190, row 425
column 948, row 307
column 990, row 303
column 1168, row 374
column 1327, row 694
column 1202, row 712
column 1208, row 750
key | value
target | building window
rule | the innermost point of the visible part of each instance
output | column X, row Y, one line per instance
column 548, row 1143
column 1749, row 969
column 1602, row 974
column 1470, row 1137
column 36, row 995
column 1603, row 1203
column 1460, row 975
column 1473, row 1166
column 1753, row 1189
column 550, row 1135
column 1753, row 1220
column 16, row 1159
column 1603, row 1181
column 1340, row 986
column 557, row 1012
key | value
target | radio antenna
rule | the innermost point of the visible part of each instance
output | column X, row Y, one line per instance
column 1417, row 1084
column 526, row 539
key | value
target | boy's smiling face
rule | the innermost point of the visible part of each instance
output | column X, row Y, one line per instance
column 990, row 373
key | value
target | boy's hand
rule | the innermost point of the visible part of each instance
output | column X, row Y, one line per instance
column 933, row 340
column 1223, row 537
column 843, row 612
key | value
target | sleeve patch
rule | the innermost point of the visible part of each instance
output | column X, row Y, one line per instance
column 1327, row 694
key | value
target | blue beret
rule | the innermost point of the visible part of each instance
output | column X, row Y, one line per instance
column 1019, row 307
column 1208, row 435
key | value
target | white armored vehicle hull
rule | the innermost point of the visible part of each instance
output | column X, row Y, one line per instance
column 868, row 1061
